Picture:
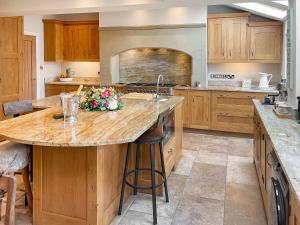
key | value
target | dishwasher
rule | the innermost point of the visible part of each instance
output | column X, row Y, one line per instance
column 279, row 193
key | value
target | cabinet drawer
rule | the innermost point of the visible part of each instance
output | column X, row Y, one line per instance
column 169, row 156
column 232, row 121
column 234, row 101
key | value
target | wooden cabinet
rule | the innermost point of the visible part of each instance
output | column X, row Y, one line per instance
column 53, row 40
column 233, row 111
column 79, row 40
column 236, row 38
column 56, row 89
column 199, row 105
column 11, row 60
column 294, row 210
column 265, row 41
column 185, row 107
column 216, row 39
column 232, row 38
column 227, row 39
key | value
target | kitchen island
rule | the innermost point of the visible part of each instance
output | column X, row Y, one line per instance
column 78, row 169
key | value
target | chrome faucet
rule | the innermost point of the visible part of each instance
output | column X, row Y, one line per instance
column 160, row 76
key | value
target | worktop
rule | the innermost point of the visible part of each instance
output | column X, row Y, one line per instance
column 77, row 169
column 285, row 137
column 85, row 83
column 228, row 88
column 92, row 128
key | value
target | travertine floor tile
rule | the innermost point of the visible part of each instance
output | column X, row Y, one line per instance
column 212, row 189
column 243, row 205
column 211, row 158
column 200, row 212
column 241, row 170
column 203, row 172
column 186, row 163
column 139, row 218
column 144, row 204
column 176, row 185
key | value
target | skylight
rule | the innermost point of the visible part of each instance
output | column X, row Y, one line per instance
column 263, row 9
column 283, row 2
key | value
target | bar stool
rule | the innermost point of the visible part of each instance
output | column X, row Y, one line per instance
column 14, row 157
column 150, row 137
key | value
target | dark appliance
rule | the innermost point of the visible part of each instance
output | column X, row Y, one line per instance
column 298, row 105
column 164, row 89
column 279, row 194
column 170, row 126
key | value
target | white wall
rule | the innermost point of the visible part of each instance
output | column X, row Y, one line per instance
column 33, row 25
column 178, row 15
column 247, row 70
column 295, row 90
column 82, row 69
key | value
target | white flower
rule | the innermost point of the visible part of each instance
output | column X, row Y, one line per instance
column 113, row 104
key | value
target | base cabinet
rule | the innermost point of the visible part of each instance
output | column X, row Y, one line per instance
column 219, row 110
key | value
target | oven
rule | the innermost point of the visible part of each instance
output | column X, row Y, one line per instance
column 279, row 193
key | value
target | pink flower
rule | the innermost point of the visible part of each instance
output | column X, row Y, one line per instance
column 83, row 100
column 94, row 104
column 106, row 93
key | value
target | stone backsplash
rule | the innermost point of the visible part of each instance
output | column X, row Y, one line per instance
column 145, row 64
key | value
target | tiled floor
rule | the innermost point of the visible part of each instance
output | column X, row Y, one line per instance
column 215, row 184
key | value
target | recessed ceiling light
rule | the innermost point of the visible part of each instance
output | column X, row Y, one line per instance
column 282, row 2
column 264, row 9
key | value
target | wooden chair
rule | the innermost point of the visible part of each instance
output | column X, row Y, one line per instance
column 14, row 157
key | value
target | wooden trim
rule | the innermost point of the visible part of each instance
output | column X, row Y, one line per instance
column 80, row 22
column 228, row 15
column 152, row 27
column 71, row 22
column 245, row 61
column 263, row 24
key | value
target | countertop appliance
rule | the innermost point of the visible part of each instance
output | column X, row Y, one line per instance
column 264, row 80
column 164, row 89
column 279, row 193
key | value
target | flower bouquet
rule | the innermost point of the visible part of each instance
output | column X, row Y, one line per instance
column 101, row 99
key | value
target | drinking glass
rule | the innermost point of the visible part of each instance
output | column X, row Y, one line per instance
column 70, row 104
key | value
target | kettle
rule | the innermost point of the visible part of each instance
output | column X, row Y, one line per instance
column 264, row 80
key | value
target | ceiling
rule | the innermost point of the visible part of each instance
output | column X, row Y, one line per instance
column 42, row 7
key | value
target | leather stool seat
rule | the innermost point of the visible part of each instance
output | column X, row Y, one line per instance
column 150, row 136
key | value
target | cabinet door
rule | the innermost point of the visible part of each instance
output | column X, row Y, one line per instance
column 53, row 40
column 185, row 107
column 263, row 158
column 265, row 42
column 93, row 43
column 81, row 41
column 295, row 210
column 236, row 38
column 69, row 47
column 216, row 39
column 11, row 60
column 199, row 105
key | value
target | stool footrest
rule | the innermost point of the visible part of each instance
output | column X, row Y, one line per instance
column 144, row 187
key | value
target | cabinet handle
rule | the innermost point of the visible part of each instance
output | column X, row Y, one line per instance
column 230, row 53
column 252, row 53
column 263, row 137
column 263, row 179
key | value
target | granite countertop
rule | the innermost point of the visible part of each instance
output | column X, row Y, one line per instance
column 92, row 128
column 285, row 137
column 227, row 88
column 87, row 83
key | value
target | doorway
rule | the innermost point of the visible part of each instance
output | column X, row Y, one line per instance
column 29, row 81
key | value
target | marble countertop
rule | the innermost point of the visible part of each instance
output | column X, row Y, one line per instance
column 285, row 137
column 227, row 88
column 87, row 83
column 92, row 128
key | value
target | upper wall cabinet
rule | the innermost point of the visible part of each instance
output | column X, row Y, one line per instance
column 227, row 38
column 231, row 38
column 265, row 41
column 80, row 41
column 53, row 40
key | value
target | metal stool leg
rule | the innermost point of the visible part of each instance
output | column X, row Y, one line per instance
column 137, row 166
column 152, row 160
column 163, row 169
column 124, row 178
